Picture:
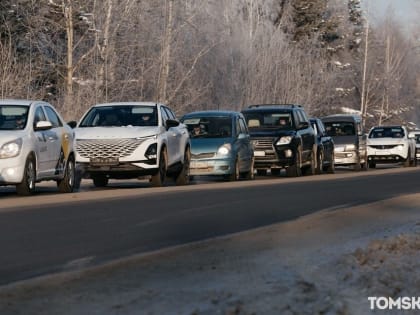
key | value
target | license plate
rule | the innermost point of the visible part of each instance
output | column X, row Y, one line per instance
column 99, row 161
column 195, row 164
column 382, row 153
column 259, row 153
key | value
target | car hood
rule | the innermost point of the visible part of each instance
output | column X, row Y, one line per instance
column 343, row 140
column 385, row 141
column 10, row 135
column 271, row 133
column 206, row 145
column 115, row 132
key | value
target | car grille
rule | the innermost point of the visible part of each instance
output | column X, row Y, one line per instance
column 383, row 147
column 263, row 144
column 106, row 148
column 199, row 156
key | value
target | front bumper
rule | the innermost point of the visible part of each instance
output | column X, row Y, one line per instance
column 11, row 170
column 345, row 158
column 212, row 167
column 281, row 157
column 124, row 170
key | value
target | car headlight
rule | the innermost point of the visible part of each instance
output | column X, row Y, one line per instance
column 11, row 149
column 339, row 149
column 284, row 140
column 400, row 147
column 224, row 149
column 350, row 147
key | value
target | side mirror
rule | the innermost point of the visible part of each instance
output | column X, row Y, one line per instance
column 242, row 136
column 171, row 123
column 42, row 125
column 303, row 125
column 411, row 136
column 72, row 124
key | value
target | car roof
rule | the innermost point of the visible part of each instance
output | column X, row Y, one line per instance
column 388, row 126
column 208, row 113
column 127, row 103
column 18, row 102
column 272, row 107
column 341, row 117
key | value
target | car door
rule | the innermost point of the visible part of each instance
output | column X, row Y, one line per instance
column 307, row 136
column 173, row 137
column 41, row 143
column 55, row 137
column 245, row 150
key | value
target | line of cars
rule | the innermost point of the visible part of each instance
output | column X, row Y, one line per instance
column 143, row 139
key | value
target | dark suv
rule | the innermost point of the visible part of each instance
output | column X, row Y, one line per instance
column 282, row 138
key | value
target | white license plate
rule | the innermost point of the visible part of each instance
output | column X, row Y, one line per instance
column 382, row 153
column 195, row 164
column 259, row 153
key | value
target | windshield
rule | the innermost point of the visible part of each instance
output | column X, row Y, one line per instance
column 13, row 117
column 209, row 127
column 121, row 115
column 337, row 129
column 269, row 120
column 387, row 132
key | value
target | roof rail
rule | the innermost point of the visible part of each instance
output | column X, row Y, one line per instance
column 275, row 105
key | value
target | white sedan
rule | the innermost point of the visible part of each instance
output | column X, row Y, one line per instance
column 390, row 144
column 35, row 145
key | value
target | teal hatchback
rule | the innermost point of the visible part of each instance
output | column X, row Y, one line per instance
column 220, row 144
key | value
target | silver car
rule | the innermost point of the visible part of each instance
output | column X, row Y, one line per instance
column 35, row 145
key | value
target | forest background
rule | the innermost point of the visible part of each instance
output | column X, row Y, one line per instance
column 327, row 55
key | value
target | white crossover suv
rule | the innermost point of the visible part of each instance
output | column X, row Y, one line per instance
column 390, row 144
column 35, row 145
column 131, row 140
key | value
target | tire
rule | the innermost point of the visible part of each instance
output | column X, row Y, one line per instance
column 183, row 177
column 67, row 184
column 407, row 162
column 159, row 178
column 250, row 175
column 100, row 180
column 330, row 169
column 356, row 166
column 261, row 172
column 295, row 169
column 235, row 175
column 320, row 163
column 27, row 186
column 311, row 170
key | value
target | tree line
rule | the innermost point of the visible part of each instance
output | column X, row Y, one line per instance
column 194, row 55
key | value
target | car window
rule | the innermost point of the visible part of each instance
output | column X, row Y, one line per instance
column 169, row 113
column 269, row 120
column 120, row 115
column 387, row 132
column 164, row 115
column 13, row 117
column 243, row 128
column 345, row 128
column 53, row 117
column 209, row 127
column 39, row 115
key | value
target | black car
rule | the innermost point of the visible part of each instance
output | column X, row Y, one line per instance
column 325, row 147
column 282, row 137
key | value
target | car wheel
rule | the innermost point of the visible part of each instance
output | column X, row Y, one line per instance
column 235, row 174
column 407, row 162
column 100, row 180
column 27, row 186
column 331, row 166
column 295, row 169
column 261, row 172
column 320, row 162
column 356, row 166
column 250, row 174
column 158, row 179
column 311, row 169
column 66, row 185
column 183, row 177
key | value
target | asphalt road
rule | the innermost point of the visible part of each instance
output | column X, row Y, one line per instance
column 50, row 232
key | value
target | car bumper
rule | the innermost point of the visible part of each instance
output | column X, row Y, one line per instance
column 122, row 170
column 212, row 167
column 11, row 170
column 390, row 158
column 346, row 158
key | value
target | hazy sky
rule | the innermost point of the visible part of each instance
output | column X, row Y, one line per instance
column 408, row 10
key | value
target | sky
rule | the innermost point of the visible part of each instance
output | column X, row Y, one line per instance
column 407, row 10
